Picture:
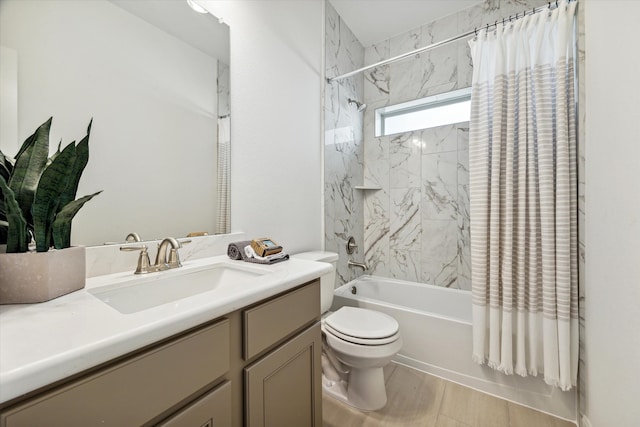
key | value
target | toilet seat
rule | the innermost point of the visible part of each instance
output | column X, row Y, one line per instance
column 360, row 341
column 362, row 326
column 353, row 354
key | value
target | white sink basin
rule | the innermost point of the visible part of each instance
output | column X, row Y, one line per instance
column 139, row 293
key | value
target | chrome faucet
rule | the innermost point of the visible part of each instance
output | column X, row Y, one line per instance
column 357, row 264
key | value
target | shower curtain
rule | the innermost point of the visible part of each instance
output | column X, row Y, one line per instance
column 223, row 214
column 523, row 195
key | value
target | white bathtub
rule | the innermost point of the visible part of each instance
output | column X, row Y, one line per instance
column 435, row 324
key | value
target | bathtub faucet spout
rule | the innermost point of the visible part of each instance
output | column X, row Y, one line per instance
column 357, row 264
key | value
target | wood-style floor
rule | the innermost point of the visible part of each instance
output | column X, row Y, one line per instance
column 417, row 399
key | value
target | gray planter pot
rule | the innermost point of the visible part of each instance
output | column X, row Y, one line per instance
column 33, row 277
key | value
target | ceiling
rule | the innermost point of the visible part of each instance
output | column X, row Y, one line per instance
column 375, row 20
column 175, row 17
column 370, row 20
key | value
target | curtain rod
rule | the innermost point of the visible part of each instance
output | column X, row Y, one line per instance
column 441, row 43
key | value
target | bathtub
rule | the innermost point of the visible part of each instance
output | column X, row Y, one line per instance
column 435, row 323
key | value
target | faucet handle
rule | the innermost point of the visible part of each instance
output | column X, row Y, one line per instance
column 351, row 245
column 143, row 260
column 174, row 257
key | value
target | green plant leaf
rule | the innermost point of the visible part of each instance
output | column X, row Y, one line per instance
column 6, row 166
column 82, row 158
column 53, row 182
column 57, row 153
column 30, row 162
column 62, row 223
column 16, row 230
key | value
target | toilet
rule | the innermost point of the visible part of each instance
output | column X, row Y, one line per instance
column 357, row 344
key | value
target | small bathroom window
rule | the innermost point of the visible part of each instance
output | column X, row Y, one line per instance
column 433, row 111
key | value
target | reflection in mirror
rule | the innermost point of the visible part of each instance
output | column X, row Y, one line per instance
column 153, row 75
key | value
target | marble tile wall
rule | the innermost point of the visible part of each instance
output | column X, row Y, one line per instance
column 417, row 226
column 343, row 145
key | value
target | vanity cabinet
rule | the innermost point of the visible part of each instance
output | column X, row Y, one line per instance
column 283, row 388
column 257, row 366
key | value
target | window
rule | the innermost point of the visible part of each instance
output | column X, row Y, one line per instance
column 433, row 111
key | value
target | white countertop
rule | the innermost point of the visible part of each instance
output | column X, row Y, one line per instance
column 47, row 342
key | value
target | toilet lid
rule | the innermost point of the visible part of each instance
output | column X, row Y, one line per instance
column 361, row 341
column 362, row 323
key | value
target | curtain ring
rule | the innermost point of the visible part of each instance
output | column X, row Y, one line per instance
column 549, row 5
column 475, row 30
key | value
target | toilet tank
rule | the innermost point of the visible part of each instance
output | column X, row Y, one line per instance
column 327, row 282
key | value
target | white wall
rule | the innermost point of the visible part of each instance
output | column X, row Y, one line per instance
column 276, row 76
column 612, row 340
column 9, row 99
column 153, row 102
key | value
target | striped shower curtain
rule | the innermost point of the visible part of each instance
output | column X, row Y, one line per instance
column 223, row 213
column 523, row 191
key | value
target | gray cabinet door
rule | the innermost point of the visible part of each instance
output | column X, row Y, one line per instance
column 284, row 387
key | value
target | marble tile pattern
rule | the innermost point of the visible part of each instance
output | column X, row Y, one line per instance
column 343, row 145
column 417, row 226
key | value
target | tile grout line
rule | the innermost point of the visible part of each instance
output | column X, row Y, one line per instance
column 444, row 389
column 391, row 375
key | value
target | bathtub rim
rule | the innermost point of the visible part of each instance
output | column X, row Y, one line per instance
column 344, row 292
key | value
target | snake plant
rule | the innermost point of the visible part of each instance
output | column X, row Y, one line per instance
column 37, row 192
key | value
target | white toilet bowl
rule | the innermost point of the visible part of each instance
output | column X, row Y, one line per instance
column 357, row 344
column 364, row 341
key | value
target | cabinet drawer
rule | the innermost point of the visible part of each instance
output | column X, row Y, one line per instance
column 211, row 410
column 135, row 390
column 270, row 322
